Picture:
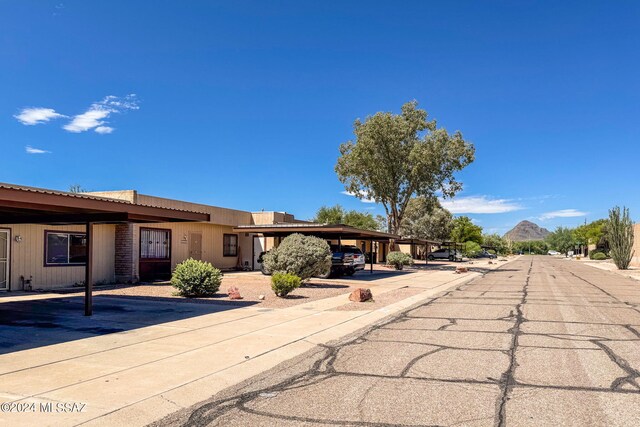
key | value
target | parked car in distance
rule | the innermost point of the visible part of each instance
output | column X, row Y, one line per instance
column 263, row 269
column 341, row 262
column 553, row 253
column 450, row 254
column 359, row 261
column 486, row 254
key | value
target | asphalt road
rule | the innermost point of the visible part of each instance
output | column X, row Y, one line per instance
column 538, row 342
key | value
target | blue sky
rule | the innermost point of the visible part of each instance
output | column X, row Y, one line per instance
column 244, row 104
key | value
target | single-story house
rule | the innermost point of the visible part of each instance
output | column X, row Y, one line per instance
column 48, row 237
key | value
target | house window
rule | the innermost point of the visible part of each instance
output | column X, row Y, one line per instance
column 230, row 245
column 155, row 243
column 65, row 248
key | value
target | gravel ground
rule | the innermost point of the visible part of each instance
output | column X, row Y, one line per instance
column 381, row 300
column 251, row 287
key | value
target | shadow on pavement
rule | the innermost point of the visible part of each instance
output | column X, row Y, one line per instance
column 36, row 323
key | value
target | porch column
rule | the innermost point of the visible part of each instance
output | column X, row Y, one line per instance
column 88, row 272
column 371, row 256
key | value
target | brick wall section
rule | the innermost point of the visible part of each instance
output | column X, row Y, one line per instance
column 124, row 260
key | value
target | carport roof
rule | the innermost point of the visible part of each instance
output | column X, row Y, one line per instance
column 327, row 231
column 30, row 205
column 409, row 241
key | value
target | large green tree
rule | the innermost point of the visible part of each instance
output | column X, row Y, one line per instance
column 499, row 244
column 562, row 239
column 338, row 215
column 395, row 157
column 426, row 219
column 464, row 230
column 594, row 233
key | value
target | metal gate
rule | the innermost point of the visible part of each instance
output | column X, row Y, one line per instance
column 155, row 254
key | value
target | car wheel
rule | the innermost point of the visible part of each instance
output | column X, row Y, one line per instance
column 350, row 272
column 430, row 257
column 325, row 275
column 452, row 258
column 265, row 271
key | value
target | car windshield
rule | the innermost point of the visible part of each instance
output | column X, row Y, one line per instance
column 353, row 250
column 347, row 249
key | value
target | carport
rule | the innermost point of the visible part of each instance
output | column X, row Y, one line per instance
column 337, row 232
column 29, row 205
column 415, row 243
column 454, row 246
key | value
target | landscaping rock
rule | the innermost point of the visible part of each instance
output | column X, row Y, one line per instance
column 234, row 293
column 261, row 297
column 360, row 295
column 462, row 270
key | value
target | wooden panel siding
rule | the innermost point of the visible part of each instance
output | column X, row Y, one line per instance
column 27, row 257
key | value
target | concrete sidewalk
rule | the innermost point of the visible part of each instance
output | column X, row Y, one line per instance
column 608, row 265
column 145, row 372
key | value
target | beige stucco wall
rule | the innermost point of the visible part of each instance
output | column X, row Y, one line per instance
column 27, row 257
column 222, row 216
column 635, row 261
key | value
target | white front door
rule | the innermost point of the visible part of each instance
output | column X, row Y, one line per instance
column 4, row 260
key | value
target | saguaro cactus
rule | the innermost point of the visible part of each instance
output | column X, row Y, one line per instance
column 620, row 237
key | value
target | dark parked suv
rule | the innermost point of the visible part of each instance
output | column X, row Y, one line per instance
column 343, row 262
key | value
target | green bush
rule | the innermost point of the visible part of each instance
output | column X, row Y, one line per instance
column 472, row 249
column 193, row 278
column 398, row 259
column 304, row 256
column 598, row 256
column 284, row 283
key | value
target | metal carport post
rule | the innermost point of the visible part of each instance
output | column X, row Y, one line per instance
column 371, row 256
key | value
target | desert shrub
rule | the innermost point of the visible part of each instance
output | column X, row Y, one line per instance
column 593, row 253
column 620, row 237
column 398, row 259
column 284, row 283
column 193, row 278
column 471, row 249
column 598, row 256
column 304, row 256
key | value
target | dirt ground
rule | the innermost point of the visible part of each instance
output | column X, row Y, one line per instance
column 251, row 286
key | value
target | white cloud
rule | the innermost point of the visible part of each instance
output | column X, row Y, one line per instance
column 31, row 150
column 88, row 120
column 366, row 199
column 103, row 130
column 95, row 117
column 34, row 116
column 563, row 213
column 479, row 205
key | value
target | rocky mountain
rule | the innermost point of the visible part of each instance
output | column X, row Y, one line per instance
column 527, row 230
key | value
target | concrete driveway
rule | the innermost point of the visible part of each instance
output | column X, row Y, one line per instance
column 540, row 342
